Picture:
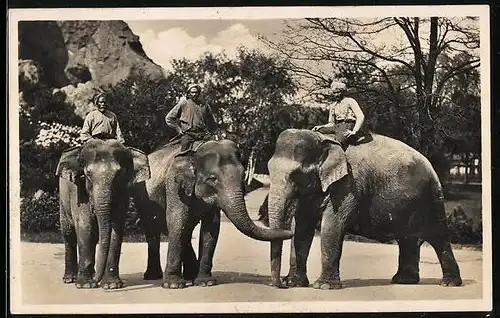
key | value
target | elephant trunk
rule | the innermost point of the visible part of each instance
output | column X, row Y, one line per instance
column 233, row 205
column 102, row 208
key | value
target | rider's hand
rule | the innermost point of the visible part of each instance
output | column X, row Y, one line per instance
column 349, row 133
column 316, row 128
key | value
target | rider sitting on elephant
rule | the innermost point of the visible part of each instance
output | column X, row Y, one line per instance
column 191, row 119
column 101, row 123
column 346, row 117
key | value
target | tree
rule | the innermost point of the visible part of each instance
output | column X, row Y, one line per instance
column 407, row 64
column 244, row 93
column 140, row 104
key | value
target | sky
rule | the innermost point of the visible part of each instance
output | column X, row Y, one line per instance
column 166, row 40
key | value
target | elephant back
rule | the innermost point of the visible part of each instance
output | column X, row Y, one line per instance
column 388, row 159
column 160, row 161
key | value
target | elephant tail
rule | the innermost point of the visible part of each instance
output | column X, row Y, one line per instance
column 437, row 205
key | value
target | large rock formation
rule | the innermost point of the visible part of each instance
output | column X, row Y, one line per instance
column 75, row 57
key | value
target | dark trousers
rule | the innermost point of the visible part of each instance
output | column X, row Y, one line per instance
column 188, row 138
column 338, row 131
column 103, row 136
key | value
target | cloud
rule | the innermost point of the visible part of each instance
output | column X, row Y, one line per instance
column 176, row 43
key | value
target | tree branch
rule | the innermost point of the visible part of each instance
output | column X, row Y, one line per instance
column 465, row 67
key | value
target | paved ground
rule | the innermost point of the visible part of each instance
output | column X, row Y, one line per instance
column 242, row 268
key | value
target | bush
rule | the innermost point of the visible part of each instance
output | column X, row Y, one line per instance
column 464, row 229
column 132, row 221
column 39, row 157
column 141, row 105
column 38, row 167
column 40, row 213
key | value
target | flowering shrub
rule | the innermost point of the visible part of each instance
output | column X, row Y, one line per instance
column 40, row 213
column 56, row 134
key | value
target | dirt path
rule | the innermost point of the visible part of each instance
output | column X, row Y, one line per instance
column 241, row 266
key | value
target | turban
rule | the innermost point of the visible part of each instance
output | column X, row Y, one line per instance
column 193, row 86
column 96, row 97
column 337, row 86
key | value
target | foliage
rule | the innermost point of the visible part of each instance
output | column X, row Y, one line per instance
column 247, row 95
column 47, row 125
column 243, row 93
column 40, row 155
column 42, row 104
column 40, row 213
column 464, row 229
column 132, row 220
column 140, row 105
column 421, row 87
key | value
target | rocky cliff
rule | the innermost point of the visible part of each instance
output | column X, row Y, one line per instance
column 76, row 57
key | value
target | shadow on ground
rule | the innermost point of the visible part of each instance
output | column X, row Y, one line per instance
column 136, row 281
column 238, row 277
column 353, row 283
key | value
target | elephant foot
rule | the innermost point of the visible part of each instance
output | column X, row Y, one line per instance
column 278, row 283
column 451, row 281
column 85, row 283
column 205, row 281
column 69, row 278
column 112, row 283
column 173, row 282
column 153, row 275
column 296, row 281
column 405, row 278
column 326, row 284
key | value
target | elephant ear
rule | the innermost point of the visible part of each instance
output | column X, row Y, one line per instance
column 140, row 160
column 332, row 164
column 185, row 174
column 69, row 166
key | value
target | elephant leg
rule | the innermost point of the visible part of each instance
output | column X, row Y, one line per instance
column 111, row 278
column 151, row 227
column 209, row 234
column 333, row 228
column 449, row 266
column 177, row 220
column 70, row 252
column 86, row 251
column 409, row 257
column 189, row 262
column 94, row 241
column 292, row 271
column 304, row 234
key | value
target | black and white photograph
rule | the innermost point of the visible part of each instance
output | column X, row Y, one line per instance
column 250, row 160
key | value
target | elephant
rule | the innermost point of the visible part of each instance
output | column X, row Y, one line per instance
column 187, row 188
column 379, row 188
column 94, row 191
